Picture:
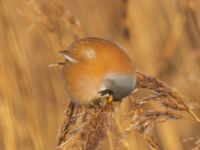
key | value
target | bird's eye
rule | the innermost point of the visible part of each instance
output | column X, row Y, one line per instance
column 106, row 92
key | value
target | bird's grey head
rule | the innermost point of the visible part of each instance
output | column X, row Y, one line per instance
column 119, row 86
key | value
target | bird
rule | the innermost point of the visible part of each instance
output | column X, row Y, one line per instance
column 96, row 69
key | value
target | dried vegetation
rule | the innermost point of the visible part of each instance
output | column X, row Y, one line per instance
column 85, row 126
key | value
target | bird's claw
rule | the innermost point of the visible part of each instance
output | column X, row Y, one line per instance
column 110, row 99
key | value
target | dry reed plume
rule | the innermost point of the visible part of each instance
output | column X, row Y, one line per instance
column 85, row 126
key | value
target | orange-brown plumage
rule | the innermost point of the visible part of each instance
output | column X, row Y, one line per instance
column 91, row 62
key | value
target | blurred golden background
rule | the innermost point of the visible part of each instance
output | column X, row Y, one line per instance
column 163, row 37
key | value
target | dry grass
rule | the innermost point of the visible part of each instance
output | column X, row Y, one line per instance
column 85, row 126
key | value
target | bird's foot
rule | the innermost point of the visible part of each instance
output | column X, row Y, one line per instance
column 110, row 99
